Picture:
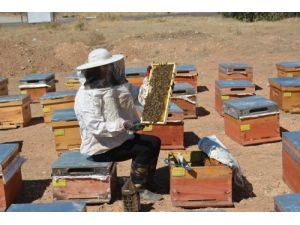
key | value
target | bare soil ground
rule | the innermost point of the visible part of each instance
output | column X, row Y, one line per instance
column 202, row 41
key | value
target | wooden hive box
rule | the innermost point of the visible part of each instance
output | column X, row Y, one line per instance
column 184, row 95
column 136, row 75
column 66, row 130
column 72, row 82
column 235, row 71
column 231, row 89
column 187, row 73
column 3, row 86
column 171, row 133
column 286, row 92
column 208, row 184
column 36, row 85
column 288, row 69
column 287, row 203
column 291, row 159
column 251, row 120
column 75, row 177
column 14, row 111
column 10, row 174
column 56, row 100
column 48, row 207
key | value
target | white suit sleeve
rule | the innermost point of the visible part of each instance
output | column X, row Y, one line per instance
column 139, row 93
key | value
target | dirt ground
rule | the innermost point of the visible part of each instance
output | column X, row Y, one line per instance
column 202, row 41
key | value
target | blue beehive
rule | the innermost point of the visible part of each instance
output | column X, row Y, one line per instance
column 289, row 64
column 136, row 71
column 184, row 88
column 234, row 84
column 64, row 115
column 228, row 68
column 49, row 207
column 6, row 152
column 40, row 78
column 287, row 203
column 249, row 107
column 58, row 94
column 180, row 68
column 286, row 81
column 12, row 98
column 173, row 108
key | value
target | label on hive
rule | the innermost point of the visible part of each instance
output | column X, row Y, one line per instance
column 289, row 74
column 287, row 94
column 177, row 172
column 46, row 109
column 59, row 132
column 59, row 183
column 148, row 128
column 23, row 92
column 225, row 97
column 245, row 127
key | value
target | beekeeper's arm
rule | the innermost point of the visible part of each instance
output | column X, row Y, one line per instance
column 139, row 93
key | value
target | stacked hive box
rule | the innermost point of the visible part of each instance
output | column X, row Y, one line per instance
column 14, row 111
column 251, row 120
column 48, row 207
column 72, row 82
column 10, row 173
column 66, row 130
column 171, row 133
column 288, row 69
column 36, row 85
column 136, row 76
column 286, row 92
column 208, row 184
column 184, row 95
column 3, row 86
column 231, row 89
column 235, row 71
column 74, row 176
column 287, row 203
column 187, row 73
column 291, row 159
column 56, row 100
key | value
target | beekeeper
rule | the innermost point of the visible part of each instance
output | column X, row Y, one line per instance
column 105, row 109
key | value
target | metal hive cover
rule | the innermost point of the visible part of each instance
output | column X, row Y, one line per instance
column 293, row 137
column 6, row 150
column 64, row 115
column 173, row 108
column 11, row 98
column 289, row 64
column 234, row 83
column 135, row 70
column 230, row 67
column 288, row 202
column 3, row 79
column 38, row 77
column 59, row 94
column 287, row 81
column 185, row 67
column 187, row 87
column 74, row 159
column 48, row 207
column 249, row 106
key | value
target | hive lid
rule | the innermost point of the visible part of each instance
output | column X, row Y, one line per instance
column 187, row 88
column 234, row 83
column 38, row 77
column 249, row 107
column 173, row 108
column 286, row 81
column 136, row 70
column 288, row 202
column 293, row 137
column 64, row 115
column 58, row 94
column 12, row 98
column 6, row 150
column 74, row 159
column 289, row 64
column 185, row 68
column 3, row 80
column 233, row 67
column 48, row 207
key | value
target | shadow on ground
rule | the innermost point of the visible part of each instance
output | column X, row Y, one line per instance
column 190, row 138
column 240, row 193
column 200, row 111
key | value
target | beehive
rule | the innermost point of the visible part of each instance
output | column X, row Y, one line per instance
column 36, row 85
column 72, row 82
column 14, row 111
column 235, row 71
column 3, row 86
column 184, row 95
column 287, row 203
column 48, row 207
column 76, row 177
column 288, row 69
column 208, row 184
column 291, row 159
column 187, row 73
column 10, row 173
column 56, row 100
column 136, row 75
column 286, row 92
column 231, row 89
column 251, row 120
column 66, row 130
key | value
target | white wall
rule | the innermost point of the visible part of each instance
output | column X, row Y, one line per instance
column 39, row 17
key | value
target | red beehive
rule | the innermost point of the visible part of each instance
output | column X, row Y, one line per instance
column 235, row 71
column 288, row 69
column 187, row 73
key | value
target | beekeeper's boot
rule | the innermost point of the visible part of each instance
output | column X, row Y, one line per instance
column 139, row 176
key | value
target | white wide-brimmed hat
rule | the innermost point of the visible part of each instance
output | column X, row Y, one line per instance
column 99, row 57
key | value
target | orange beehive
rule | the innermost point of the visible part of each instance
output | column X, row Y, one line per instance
column 288, row 69
column 135, row 75
column 187, row 73
column 235, row 71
